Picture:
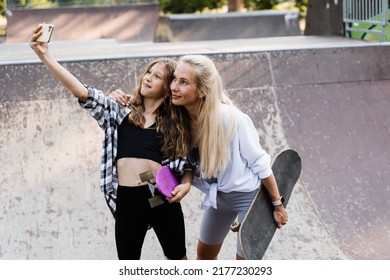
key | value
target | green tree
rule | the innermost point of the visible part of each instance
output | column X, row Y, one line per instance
column 302, row 6
column 180, row 6
column 260, row 4
column 2, row 7
column 269, row 4
column 192, row 6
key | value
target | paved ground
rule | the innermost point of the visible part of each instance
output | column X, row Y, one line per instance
column 334, row 114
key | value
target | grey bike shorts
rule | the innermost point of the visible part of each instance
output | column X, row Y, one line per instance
column 216, row 222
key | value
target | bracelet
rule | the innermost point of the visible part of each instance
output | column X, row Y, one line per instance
column 278, row 202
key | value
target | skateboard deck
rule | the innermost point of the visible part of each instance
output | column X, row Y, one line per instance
column 258, row 227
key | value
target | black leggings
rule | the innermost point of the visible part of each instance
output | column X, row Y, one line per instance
column 134, row 216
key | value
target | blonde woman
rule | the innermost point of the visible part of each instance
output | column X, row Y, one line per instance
column 230, row 162
column 136, row 139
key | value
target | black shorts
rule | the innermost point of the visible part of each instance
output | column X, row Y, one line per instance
column 134, row 216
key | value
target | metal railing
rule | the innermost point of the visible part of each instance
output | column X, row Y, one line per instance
column 364, row 17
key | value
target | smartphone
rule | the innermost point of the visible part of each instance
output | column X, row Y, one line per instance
column 47, row 31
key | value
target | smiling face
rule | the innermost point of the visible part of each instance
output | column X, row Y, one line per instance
column 153, row 81
column 184, row 87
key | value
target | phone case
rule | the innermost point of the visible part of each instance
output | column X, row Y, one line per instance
column 47, row 31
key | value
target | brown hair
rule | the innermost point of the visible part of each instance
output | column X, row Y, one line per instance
column 170, row 121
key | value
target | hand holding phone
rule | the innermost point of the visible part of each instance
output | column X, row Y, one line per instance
column 47, row 31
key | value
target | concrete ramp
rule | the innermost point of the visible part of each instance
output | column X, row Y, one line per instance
column 234, row 25
column 326, row 97
column 342, row 131
column 125, row 23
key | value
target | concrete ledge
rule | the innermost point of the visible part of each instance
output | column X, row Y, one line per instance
column 21, row 53
column 366, row 62
column 195, row 27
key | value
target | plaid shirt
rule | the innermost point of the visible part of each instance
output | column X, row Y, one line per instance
column 109, row 115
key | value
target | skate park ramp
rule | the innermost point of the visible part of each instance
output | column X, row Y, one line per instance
column 326, row 97
column 80, row 22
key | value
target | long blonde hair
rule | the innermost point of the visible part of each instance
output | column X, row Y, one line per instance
column 174, row 127
column 215, row 128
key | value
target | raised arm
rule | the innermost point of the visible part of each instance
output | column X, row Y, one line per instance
column 62, row 75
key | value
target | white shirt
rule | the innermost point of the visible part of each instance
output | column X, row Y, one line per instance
column 249, row 163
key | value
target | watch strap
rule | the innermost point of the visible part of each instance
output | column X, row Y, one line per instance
column 278, row 202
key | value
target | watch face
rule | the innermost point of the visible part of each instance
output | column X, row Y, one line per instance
column 282, row 199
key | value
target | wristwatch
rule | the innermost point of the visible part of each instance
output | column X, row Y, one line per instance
column 278, row 202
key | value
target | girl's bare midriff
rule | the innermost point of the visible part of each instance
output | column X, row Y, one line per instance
column 129, row 169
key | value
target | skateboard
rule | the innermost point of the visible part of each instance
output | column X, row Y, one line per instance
column 258, row 227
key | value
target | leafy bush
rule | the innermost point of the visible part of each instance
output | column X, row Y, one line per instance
column 181, row 7
column 260, row 4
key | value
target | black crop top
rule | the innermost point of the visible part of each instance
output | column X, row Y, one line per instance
column 137, row 142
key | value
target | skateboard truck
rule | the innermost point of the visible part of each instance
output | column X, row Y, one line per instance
column 155, row 200
column 234, row 227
